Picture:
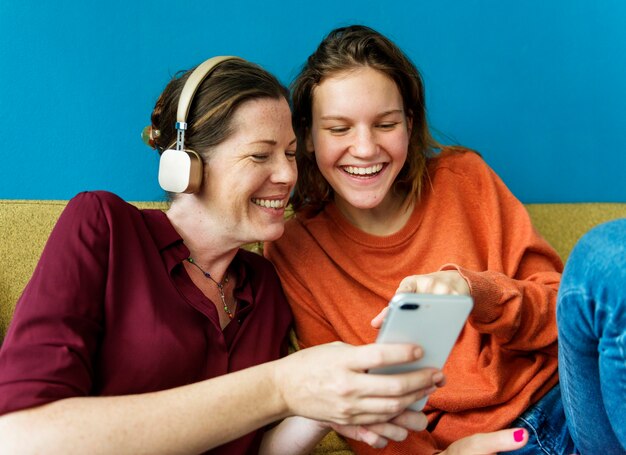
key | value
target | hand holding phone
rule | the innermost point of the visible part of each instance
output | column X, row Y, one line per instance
column 432, row 321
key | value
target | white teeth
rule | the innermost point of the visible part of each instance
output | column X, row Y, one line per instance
column 363, row 170
column 270, row 203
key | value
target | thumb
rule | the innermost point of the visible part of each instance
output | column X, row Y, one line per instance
column 489, row 443
column 408, row 284
column 377, row 322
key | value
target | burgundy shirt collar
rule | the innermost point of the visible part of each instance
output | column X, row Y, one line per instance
column 171, row 245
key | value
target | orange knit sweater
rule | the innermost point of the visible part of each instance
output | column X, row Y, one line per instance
column 337, row 278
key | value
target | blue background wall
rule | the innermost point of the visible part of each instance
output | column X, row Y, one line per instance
column 539, row 87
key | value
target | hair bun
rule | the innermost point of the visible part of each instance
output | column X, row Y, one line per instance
column 149, row 134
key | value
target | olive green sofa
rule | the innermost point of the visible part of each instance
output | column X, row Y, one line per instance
column 26, row 224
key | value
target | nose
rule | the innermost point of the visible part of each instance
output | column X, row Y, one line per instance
column 364, row 143
column 285, row 171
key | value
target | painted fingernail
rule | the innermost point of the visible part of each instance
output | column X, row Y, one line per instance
column 518, row 435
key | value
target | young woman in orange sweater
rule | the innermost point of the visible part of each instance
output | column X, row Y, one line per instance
column 378, row 210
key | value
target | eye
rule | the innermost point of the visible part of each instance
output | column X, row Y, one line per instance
column 338, row 129
column 290, row 154
column 260, row 157
column 387, row 125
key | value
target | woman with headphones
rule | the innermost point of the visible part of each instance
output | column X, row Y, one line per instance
column 144, row 331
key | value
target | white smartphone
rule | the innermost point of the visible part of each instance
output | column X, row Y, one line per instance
column 431, row 321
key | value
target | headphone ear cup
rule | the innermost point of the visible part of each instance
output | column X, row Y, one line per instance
column 180, row 171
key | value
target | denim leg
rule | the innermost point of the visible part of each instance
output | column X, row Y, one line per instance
column 548, row 433
column 591, row 318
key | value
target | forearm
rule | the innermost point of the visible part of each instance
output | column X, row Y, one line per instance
column 294, row 436
column 188, row 419
column 521, row 313
column 327, row 383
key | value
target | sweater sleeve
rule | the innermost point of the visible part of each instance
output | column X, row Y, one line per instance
column 515, row 295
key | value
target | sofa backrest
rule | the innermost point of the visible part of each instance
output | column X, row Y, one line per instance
column 25, row 226
column 562, row 224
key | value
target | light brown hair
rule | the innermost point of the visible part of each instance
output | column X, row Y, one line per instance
column 209, row 121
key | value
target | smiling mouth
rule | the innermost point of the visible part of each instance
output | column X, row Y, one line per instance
column 363, row 171
column 270, row 203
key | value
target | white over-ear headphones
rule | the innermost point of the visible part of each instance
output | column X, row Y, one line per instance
column 180, row 169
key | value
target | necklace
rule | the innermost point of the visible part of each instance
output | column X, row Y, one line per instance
column 220, row 286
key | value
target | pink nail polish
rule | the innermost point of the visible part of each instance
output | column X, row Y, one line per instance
column 518, row 435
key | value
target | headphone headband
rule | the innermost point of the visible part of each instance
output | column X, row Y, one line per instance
column 194, row 81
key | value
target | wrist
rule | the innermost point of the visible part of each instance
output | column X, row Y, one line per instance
column 279, row 375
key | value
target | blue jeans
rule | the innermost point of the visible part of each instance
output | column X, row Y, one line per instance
column 591, row 317
column 586, row 413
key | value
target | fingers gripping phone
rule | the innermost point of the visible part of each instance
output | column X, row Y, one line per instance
column 431, row 321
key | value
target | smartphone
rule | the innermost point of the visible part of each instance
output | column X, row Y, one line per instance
column 431, row 321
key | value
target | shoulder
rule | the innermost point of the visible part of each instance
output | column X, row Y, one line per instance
column 296, row 239
column 462, row 166
column 457, row 159
column 98, row 197
column 94, row 214
column 92, row 204
column 464, row 173
column 100, row 200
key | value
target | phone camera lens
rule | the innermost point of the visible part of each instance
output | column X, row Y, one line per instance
column 409, row 306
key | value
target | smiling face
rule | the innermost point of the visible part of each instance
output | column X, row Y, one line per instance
column 360, row 135
column 250, row 175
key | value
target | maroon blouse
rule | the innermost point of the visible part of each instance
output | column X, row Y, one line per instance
column 110, row 310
